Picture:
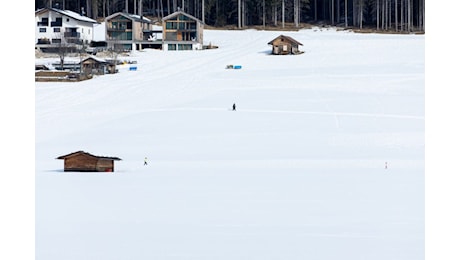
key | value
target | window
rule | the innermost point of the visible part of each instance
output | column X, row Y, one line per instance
column 42, row 30
column 183, row 47
column 171, row 25
column 171, row 47
column 56, row 30
column 183, row 18
column 57, row 23
column 43, row 22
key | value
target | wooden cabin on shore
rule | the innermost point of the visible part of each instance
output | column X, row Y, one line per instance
column 81, row 161
column 284, row 45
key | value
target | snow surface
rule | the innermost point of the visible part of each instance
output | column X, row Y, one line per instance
column 297, row 172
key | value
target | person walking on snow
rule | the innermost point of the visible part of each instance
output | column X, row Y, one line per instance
column 234, row 107
column 145, row 161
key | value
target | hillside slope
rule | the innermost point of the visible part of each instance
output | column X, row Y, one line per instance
column 296, row 172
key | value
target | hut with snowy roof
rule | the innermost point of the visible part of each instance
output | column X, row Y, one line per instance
column 283, row 45
column 81, row 161
column 96, row 66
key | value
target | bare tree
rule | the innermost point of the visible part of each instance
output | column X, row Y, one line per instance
column 263, row 15
column 422, row 13
column 361, row 14
column 396, row 15
column 282, row 12
column 346, row 13
column 161, row 9
column 202, row 11
column 378, row 14
column 332, row 11
column 409, row 27
column 296, row 13
column 94, row 8
column 402, row 15
column 62, row 47
column 239, row 14
column 243, row 11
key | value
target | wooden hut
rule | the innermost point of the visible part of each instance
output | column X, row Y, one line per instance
column 85, row 162
column 283, row 45
column 95, row 66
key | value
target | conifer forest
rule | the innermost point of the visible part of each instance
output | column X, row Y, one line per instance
column 402, row 16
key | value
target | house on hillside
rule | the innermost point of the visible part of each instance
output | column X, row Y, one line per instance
column 283, row 45
column 182, row 31
column 126, row 32
column 96, row 66
column 55, row 28
column 81, row 161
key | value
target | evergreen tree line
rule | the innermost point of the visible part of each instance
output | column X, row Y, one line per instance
column 395, row 15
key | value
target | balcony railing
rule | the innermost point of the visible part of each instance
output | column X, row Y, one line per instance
column 71, row 34
column 43, row 41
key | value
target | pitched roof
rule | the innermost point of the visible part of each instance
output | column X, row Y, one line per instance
column 133, row 17
column 85, row 153
column 68, row 13
column 92, row 57
column 287, row 38
column 178, row 13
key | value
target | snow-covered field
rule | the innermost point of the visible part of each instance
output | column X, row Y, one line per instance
column 297, row 172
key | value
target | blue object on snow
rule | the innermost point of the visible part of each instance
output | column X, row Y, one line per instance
column 133, row 68
column 237, row 67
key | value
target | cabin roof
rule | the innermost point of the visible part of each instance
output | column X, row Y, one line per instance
column 133, row 17
column 288, row 38
column 99, row 60
column 179, row 13
column 88, row 154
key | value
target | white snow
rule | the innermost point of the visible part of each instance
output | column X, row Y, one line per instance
column 297, row 172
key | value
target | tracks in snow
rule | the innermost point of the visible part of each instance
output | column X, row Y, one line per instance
column 351, row 114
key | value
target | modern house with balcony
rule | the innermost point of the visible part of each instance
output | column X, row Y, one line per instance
column 182, row 31
column 56, row 28
column 125, row 32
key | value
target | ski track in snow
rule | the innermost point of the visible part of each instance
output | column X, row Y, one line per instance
column 334, row 114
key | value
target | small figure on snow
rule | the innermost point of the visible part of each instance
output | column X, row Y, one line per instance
column 234, row 107
column 145, row 161
column 386, row 165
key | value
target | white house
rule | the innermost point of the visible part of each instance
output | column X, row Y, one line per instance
column 54, row 27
